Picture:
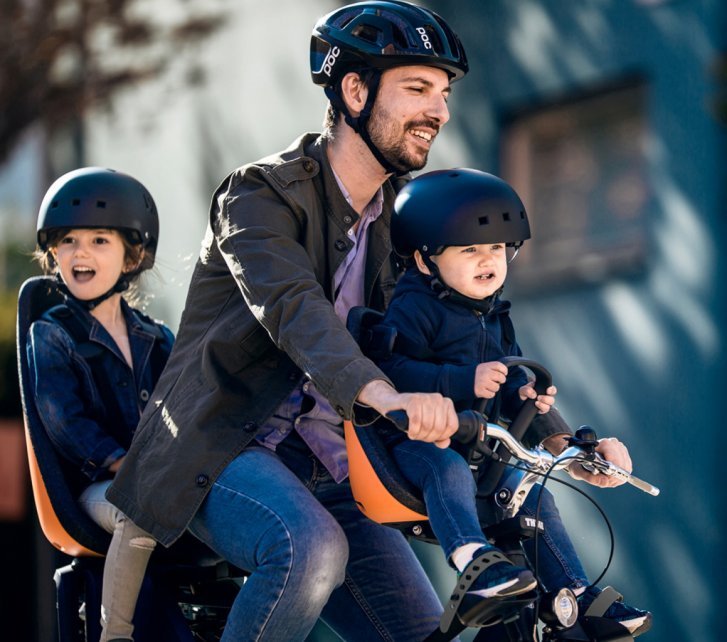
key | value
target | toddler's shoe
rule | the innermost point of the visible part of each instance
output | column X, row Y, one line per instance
column 499, row 578
column 635, row 620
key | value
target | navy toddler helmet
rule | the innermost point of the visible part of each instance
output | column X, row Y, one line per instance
column 94, row 197
column 456, row 207
column 380, row 35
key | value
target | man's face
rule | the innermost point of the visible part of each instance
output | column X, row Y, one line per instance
column 410, row 108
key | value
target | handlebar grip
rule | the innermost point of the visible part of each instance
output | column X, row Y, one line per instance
column 543, row 378
column 644, row 485
column 469, row 424
column 608, row 468
column 528, row 411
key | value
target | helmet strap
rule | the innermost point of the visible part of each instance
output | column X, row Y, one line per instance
column 359, row 124
column 121, row 286
column 443, row 291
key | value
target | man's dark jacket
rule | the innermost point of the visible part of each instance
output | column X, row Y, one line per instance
column 258, row 316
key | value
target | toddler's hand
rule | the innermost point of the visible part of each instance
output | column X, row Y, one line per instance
column 489, row 377
column 542, row 402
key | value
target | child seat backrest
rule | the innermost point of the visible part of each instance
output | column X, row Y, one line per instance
column 64, row 524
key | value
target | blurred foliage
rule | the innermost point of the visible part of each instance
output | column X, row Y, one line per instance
column 9, row 392
column 55, row 62
column 16, row 267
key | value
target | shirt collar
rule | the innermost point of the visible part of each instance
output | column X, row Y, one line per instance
column 375, row 206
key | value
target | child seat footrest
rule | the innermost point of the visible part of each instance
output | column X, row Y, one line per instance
column 487, row 612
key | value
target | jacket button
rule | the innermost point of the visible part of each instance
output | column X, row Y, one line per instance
column 144, row 395
column 340, row 245
column 340, row 411
column 308, row 166
column 347, row 219
column 249, row 426
column 202, row 480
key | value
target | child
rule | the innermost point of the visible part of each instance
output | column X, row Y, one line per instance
column 94, row 361
column 462, row 228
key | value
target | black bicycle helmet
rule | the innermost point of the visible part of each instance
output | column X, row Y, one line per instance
column 380, row 35
column 376, row 36
column 456, row 207
column 94, row 197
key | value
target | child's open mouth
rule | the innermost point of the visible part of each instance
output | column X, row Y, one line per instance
column 83, row 274
column 485, row 277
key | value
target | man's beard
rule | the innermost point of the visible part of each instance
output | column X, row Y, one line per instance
column 390, row 140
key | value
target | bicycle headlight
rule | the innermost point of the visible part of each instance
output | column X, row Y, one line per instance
column 559, row 609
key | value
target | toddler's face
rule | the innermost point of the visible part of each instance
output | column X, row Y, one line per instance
column 90, row 261
column 477, row 271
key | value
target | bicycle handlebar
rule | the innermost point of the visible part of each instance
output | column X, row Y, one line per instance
column 474, row 428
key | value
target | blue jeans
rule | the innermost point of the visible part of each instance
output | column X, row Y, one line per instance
column 311, row 553
column 448, row 488
column 558, row 563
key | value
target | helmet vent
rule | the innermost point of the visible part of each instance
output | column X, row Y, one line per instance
column 101, row 204
column 368, row 33
column 76, row 201
column 506, row 217
column 484, row 220
column 344, row 19
column 54, row 204
column 400, row 38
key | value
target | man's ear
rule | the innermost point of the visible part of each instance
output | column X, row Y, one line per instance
column 419, row 260
column 354, row 93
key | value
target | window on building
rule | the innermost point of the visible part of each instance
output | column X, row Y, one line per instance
column 580, row 167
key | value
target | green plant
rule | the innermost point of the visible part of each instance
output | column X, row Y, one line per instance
column 9, row 389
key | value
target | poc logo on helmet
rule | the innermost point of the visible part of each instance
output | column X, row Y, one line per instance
column 425, row 38
column 330, row 60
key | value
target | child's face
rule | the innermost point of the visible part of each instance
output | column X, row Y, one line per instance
column 477, row 271
column 90, row 261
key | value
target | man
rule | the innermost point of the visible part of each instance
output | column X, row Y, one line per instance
column 243, row 441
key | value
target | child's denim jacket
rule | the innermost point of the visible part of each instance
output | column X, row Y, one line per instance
column 82, row 425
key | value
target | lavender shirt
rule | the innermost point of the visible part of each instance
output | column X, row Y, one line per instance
column 321, row 427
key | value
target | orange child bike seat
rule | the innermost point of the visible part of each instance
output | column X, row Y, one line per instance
column 49, row 522
column 379, row 489
column 63, row 522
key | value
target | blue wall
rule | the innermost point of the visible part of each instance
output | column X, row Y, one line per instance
column 639, row 357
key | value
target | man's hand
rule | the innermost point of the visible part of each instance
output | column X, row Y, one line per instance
column 431, row 416
column 489, row 377
column 542, row 402
column 611, row 449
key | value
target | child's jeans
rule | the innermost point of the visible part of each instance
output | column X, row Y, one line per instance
column 449, row 490
column 447, row 484
column 125, row 564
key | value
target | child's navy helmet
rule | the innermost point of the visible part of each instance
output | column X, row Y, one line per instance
column 380, row 35
column 94, row 197
column 456, row 207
